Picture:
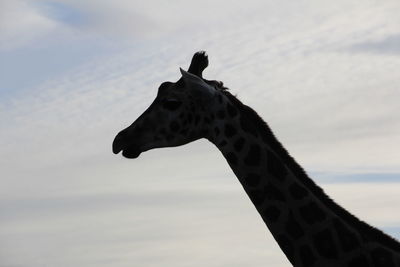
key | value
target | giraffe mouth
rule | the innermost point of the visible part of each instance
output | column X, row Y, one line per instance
column 131, row 152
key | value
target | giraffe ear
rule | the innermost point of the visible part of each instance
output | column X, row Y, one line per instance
column 189, row 77
column 199, row 87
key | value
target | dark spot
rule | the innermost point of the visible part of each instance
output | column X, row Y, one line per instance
column 252, row 179
column 231, row 157
column 382, row 257
column 238, row 145
column 348, row 240
column 311, row 213
column 269, row 192
column 271, row 214
column 287, row 247
column 220, row 114
column 275, row 166
column 146, row 121
column 266, row 138
column 206, row 120
column 293, row 228
column 171, row 104
column 174, row 126
column 273, row 193
column 184, row 132
column 196, row 119
column 297, row 191
column 232, row 112
column 169, row 137
column 306, row 256
column 247, row 126
column 324, row 244
column 253, row 156
column 185, row 122
column 220, row 98
column 257, row 197
column 216, row 131
column 359, row 261
column 180, row 83
column 190, row 118
column 365, row 239
column 222, row 143
column 229, row 130
column 212, row 117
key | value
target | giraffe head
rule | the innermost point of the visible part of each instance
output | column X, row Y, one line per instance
column 177, row 116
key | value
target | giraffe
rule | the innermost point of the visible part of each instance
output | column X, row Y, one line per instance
column 309, row 227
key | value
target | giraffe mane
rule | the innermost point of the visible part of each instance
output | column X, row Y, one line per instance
column 368, row 232
column 218, row 85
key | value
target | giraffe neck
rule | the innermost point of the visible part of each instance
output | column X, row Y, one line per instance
column 309, row 232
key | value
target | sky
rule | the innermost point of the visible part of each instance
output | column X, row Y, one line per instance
column 323, row 74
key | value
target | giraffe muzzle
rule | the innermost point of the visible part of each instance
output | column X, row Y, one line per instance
column 129, row 150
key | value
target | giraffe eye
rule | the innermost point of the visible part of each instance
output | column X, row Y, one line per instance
column 172, row 104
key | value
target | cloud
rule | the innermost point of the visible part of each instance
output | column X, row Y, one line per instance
column 64, row 192
column 129, row 20
column 61, row 12
column 180, row 226
column 389, row 45
column 29, row 26
column 370, row 202
column 317, row 101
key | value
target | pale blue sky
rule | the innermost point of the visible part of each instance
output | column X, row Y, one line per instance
column 73, row 73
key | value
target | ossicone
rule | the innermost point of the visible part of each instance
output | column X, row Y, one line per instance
column 199, row 63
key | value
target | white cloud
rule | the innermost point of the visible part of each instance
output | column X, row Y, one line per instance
column 190, row 223
column 78, row 204
column 139, row 19
column 21, row 23
column 372, row 202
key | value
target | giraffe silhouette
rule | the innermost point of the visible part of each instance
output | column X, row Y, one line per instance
column 310, row 228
